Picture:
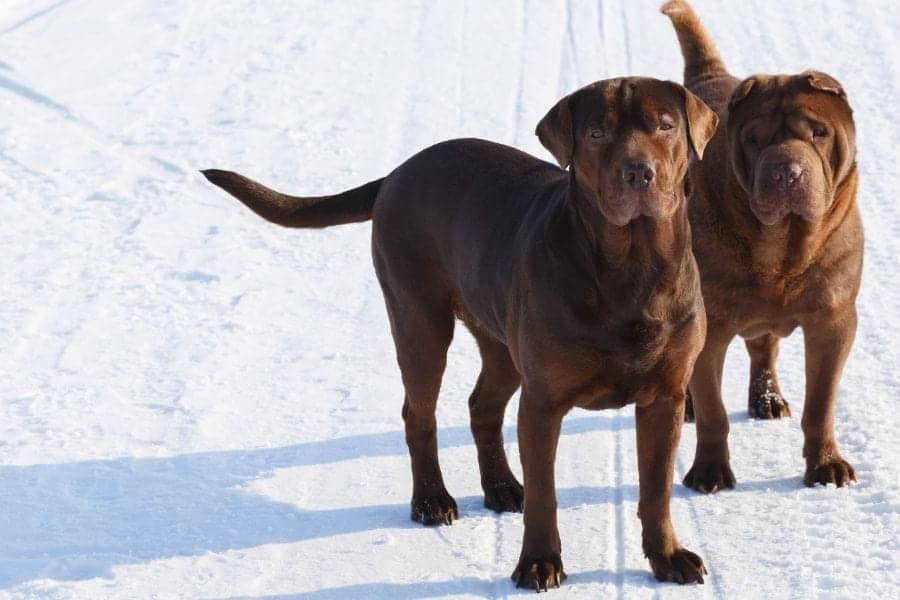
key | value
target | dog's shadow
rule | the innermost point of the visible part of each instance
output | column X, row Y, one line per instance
column 459, row 586
column 77, row 521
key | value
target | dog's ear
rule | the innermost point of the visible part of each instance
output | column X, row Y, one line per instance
column 555, row 132
column 824, row 82
column 702, row 122
column 843, row 157
column 744, row 89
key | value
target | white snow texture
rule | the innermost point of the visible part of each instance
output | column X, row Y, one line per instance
column 195, row 403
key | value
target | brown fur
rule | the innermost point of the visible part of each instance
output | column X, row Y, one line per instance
column 580, row 286
column 779, row 242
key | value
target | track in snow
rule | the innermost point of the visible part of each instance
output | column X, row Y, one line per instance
column 195, row 403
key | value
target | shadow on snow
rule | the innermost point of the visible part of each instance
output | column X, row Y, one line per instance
column 462, row 585
column 76, row 521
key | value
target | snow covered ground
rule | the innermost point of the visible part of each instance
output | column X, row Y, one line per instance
column 195, row 403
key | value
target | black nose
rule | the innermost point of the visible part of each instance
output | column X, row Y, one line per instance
column 638, row 175
column 786, row 174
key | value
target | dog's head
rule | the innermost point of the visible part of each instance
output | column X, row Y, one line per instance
column 792, row 143
column 629, row 143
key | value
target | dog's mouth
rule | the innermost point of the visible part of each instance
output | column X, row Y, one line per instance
column 773, row 199
column 788, row 180
column 771, row 207
column 623, row 206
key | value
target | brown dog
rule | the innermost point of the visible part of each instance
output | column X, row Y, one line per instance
column 779, row 243
column 578, row 285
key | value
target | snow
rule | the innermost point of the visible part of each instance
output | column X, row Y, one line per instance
column 196, row 403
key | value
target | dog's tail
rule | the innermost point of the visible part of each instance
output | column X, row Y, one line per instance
column 701, row 59
column 352, row 206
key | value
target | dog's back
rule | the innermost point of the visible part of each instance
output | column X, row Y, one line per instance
column 447, row 197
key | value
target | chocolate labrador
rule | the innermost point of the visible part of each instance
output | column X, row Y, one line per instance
column 779, row 242
column 578, row 285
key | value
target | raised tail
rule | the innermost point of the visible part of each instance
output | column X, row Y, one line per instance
column 351, row 206
column 701, row 59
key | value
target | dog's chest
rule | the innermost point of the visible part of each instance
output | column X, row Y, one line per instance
column 634, row 360
column 639, row 343
column 754, row 305
column 751, row 296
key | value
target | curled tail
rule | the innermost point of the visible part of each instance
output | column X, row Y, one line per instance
column 701, row 59
column 351, row 206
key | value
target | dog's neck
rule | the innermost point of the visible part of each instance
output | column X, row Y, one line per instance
column 644, row 245
column 644, row 271
column 639, row 264
column 780, row 252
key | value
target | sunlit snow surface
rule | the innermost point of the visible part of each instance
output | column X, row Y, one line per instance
column 196, row 403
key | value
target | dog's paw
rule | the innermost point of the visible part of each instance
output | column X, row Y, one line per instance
column 539, row 574
column 504, row 496
column 683, row 566
column 709, row 477
column 438, row 509
column 834, row 470
column 765, row 400
column 769, row 405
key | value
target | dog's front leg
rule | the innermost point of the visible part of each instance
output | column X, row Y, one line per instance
column 658, row 430
column 828, row 342
column 540, row 563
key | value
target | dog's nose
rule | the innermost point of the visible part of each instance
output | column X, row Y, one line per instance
column 787, row 174
column 638, row 175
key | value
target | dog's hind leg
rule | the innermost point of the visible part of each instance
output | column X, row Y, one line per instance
column 764, row 399
column 422, row 329
column 496, row 384
column 711, row 470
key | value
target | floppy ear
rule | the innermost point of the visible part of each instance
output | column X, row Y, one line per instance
column 844, row 149
column 555, row 132
column 824, row 82
column 743, row 90
column 702, row 122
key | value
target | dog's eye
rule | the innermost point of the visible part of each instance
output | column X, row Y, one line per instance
column 665, row 124
column 596, row 133
column 820, row 132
